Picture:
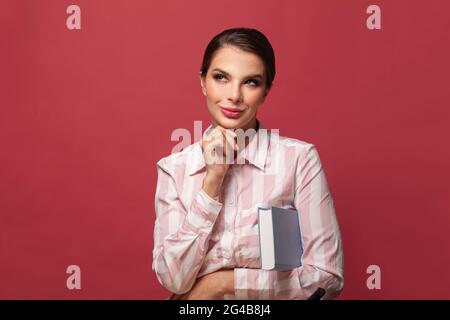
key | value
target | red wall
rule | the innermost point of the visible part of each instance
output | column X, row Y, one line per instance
column 85, row 115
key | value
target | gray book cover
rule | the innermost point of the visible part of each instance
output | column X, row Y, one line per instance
column 287, row 243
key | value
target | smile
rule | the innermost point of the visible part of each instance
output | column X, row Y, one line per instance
column 231, row 113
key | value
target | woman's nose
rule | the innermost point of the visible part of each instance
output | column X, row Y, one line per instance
column 235, row 94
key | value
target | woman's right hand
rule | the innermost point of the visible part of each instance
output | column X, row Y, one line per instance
column 218, row 148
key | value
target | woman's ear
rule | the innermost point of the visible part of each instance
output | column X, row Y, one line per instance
column 202, row 83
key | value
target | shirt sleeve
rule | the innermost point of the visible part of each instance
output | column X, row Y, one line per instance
column 181, row 235
column 322, row 260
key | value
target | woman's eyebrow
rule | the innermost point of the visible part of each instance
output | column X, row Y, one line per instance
column 249, row 76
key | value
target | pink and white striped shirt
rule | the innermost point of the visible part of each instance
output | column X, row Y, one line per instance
column 195, row 234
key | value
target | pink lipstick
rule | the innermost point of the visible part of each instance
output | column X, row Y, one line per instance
column 231, row 112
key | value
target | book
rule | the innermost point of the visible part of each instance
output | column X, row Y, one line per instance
column 279, row 238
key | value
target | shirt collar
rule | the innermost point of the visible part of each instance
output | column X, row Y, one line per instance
column 255, row 152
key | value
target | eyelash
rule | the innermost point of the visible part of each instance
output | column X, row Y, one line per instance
column 218, row 77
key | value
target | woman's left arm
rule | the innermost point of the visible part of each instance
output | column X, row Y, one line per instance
column 213, row 286
column 322, row 260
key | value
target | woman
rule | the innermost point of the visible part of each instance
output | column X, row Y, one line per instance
column 206, row 229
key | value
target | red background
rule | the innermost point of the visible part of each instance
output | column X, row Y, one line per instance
column 85, row 115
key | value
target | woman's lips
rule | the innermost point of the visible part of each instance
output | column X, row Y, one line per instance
column 231, row 113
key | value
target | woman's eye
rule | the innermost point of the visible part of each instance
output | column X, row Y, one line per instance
column 218, row 76
column 255, row 82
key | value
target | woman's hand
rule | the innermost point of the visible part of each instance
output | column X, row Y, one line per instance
column 212, row 286
column 219, row 148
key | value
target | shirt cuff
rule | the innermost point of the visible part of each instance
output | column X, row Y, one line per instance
column 204, row 212
column 211, row 204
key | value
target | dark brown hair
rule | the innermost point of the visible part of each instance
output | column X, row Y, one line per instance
column 246, row 39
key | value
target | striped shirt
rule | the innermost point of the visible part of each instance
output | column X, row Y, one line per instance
column 196, row 234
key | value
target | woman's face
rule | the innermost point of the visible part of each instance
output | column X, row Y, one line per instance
column 235, row 87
